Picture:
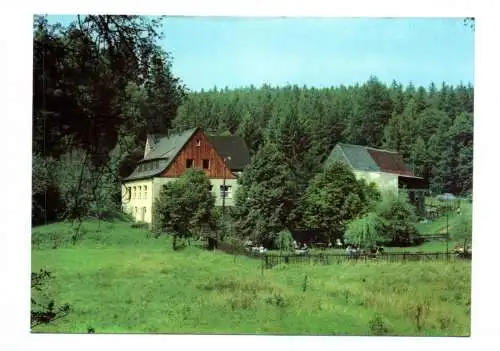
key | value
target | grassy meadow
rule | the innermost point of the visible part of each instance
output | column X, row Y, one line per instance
column 120, row 280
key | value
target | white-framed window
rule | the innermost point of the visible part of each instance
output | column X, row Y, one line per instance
column 139, row 194
column 134, row 193
column 227, row 192
column 198, row 143
column 145, row 194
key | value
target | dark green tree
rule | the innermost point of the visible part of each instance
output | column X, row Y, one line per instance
column 266, row 196
column 372, row 110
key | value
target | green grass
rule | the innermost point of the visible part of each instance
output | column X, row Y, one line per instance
column 438, row 225
column 122, row 281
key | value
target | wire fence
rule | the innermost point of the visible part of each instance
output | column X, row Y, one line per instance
column 270, row 261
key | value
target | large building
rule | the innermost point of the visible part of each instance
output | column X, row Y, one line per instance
column 166, row 158
column 383, row 167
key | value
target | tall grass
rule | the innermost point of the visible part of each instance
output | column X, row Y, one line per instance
column 133, row 283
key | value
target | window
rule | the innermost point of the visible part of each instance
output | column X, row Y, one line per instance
column 198, row 143
column 189, row 163
column 206, row 164
column 139, row 193
column 157, row 163
column 227, row 192
column 134, row 193
column 145, row 196
column 210, row 188
column 129, row 193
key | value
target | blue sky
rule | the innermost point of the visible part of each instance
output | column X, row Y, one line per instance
column 319, row 52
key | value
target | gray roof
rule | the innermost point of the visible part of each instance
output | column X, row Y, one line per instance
column 161, row 156
column 369, row 159
column 233, row 146
column 169, row 146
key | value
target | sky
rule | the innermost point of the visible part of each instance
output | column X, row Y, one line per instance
column 318, row 52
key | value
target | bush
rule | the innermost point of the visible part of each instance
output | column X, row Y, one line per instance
column 378, row 326
column 43, row 309
column 284, row 241
column 396, row 220
column 363, row 231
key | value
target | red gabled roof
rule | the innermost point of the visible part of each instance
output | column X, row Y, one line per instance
column 389, row 162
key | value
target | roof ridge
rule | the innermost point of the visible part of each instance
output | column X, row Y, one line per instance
column 368, row 147
column 385, row 150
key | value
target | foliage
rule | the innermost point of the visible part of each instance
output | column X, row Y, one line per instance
column 284, row 241
column 184, row 205
column 306, row 121
column 371, row 195
column 97, row 82
column 74, row 176
column 333, row 198
column 461, row 231
column 43, row 313
column 377, row 326
column 265, row 196
column 397, row 220
column 371, row 112
column 363, row 231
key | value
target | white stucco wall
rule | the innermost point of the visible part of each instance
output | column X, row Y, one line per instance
column 140, row 203
column 384, row 181
column 231, row 193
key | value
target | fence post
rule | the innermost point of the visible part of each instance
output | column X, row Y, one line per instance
column 404, row 256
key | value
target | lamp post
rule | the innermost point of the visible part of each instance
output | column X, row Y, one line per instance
column 447, row 237
column 224, row 193
column 224, row 185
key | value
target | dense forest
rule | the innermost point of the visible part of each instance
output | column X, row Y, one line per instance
column 101, row 84
column 432, row 127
